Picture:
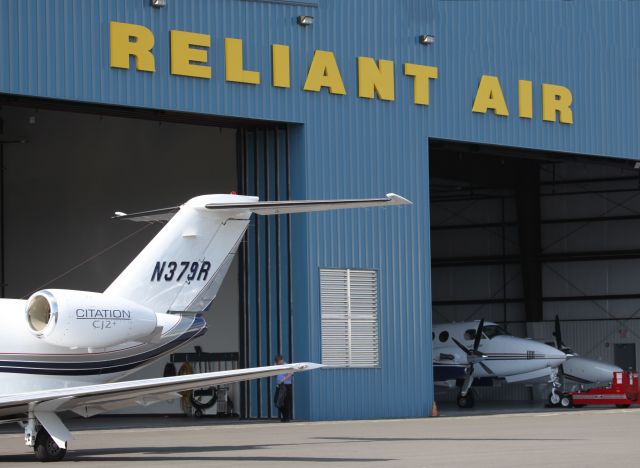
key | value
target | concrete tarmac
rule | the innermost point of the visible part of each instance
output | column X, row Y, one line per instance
column 567, row 438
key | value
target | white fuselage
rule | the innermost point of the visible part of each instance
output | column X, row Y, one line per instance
column 509, row 357
column 588, row 371
column 28, row 363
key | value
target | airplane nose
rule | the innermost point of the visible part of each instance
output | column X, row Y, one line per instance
column 554, row 356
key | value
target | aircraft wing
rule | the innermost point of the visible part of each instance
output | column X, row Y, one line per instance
column 92, row 399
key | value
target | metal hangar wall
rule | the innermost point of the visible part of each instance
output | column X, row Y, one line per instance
column 361, row 94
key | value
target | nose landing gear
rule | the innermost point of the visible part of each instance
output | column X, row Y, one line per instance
column 466, row 401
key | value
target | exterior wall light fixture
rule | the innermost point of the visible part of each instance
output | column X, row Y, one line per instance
column 158, row 3
column 426, row 39
column 304, row 20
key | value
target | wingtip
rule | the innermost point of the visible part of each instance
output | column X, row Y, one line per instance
column 306, row 366
column 396, row 199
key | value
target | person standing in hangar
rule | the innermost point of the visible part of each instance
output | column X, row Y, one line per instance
column 284, row 393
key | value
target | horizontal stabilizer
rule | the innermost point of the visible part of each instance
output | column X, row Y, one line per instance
column 269, row 207
column 151, row 216
column 303, row 206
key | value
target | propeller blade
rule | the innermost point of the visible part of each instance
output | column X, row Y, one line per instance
column 486, row 368
column 476, row 342
column 558, row 334
column 461, row 346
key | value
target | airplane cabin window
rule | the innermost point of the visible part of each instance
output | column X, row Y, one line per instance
column 493, row 330
column 443, row 336
column 470, row 335
column 433, row 335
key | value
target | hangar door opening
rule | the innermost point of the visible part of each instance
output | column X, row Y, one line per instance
column 67, row 167
column 520, row 236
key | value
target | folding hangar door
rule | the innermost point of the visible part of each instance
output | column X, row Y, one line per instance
column 66, row 167
column 520, row 236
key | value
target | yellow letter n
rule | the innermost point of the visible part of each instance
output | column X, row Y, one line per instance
column 375, row 79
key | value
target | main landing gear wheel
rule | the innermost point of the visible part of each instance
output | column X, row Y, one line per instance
column 466, row 401
column 554, row 399
column 565, row 401
column 46, row 450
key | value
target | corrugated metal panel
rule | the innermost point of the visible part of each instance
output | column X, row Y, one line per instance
column 350, row 146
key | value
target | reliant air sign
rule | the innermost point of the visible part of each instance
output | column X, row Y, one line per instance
column 189, row 56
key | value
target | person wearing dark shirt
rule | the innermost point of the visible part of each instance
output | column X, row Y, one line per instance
column 284, row 381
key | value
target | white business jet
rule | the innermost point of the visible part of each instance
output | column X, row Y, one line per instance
column 64, row 350
column 463, row 352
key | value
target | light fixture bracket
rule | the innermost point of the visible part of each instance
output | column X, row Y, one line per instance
column 426, row 39
column 304, row 20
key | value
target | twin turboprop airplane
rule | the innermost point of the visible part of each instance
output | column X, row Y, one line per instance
column 580, row 370
column 64, row 350
column 470, row 350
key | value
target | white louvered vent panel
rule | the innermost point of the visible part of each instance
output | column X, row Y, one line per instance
column 349, row 318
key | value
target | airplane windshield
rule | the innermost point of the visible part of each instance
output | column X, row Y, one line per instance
column 493, row 330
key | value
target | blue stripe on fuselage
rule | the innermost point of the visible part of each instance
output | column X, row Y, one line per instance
column 197, row 328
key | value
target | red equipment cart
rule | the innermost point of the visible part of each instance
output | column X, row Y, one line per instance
column 622, row 392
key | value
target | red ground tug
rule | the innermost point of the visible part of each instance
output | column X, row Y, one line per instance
column 622, row 392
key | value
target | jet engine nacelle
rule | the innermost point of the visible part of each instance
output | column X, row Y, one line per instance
column 80, row 319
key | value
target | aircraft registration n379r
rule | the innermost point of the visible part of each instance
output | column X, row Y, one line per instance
column 64, row 350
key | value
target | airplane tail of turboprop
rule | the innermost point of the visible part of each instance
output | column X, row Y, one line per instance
column 183, row 266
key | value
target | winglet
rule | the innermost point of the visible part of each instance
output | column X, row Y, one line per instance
column 396, row 199
column 308, row 366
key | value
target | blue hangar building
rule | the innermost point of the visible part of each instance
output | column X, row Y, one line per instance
column 511, row 126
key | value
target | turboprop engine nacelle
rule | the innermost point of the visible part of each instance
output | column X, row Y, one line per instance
column 80, row 319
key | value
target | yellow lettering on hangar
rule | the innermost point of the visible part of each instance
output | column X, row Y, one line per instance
column 556, row 100
column 525, row 99
column 489, row 96
column 376, row 79
column 324, row 73
column 183, row 55
column 280, row 66
column 235, row 64
column 421, row 75
column 131, row 40
column 189, row 56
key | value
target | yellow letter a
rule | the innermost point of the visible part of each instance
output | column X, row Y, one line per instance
column 324, row 72
column 489, row 96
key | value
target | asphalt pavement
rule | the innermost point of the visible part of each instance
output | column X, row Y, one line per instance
column 567, row 438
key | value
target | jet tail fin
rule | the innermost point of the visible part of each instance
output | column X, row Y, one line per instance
column 182, row 268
